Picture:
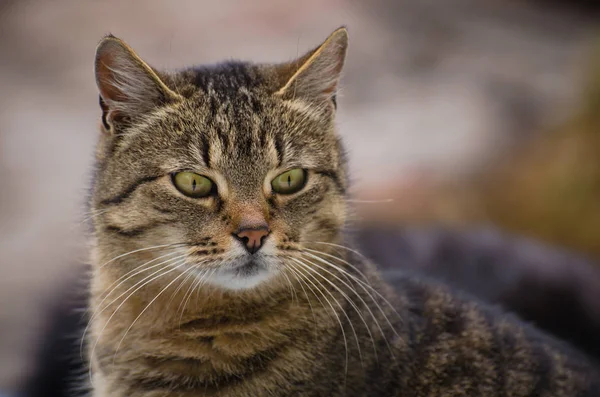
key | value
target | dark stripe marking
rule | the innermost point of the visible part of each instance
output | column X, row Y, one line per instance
column 503, row 346
column 173, row 382
column 163, row 210
column 205, row 150
column 335, row 177
column 311, row 196
column 544, row 371
column 131, row 232
column 224, row 138
column 118, row 199
column 218, row 203
column 280, row 149
column 105, row 109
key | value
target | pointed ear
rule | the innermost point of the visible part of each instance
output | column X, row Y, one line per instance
column 128, row 87
column 315, row 76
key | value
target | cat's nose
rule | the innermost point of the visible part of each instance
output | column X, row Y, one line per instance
column 252, row 237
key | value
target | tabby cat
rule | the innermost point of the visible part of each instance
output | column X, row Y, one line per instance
column 220, row 265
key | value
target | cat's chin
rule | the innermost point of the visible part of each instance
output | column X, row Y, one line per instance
column 243, row 277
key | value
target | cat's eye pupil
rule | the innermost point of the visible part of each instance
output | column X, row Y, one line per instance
column 194, row 185
column 289, row 182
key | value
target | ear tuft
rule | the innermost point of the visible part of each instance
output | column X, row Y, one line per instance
column 315, row 76
column 128, row 86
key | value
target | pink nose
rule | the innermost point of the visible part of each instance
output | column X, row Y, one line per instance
column 252, row 238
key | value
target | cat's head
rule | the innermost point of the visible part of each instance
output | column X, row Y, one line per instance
column 230, row 171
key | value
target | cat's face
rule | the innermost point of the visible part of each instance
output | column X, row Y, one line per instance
column 230, row 172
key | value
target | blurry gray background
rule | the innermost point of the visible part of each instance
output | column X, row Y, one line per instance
column 430, row 87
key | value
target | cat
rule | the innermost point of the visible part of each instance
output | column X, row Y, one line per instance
column 220, row 266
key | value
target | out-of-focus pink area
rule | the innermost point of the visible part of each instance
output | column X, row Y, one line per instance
column 431, row 90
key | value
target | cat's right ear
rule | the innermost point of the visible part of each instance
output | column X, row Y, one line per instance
column 129, row 88
column 315, row 76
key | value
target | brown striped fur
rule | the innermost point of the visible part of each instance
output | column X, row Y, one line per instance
column 321, row 322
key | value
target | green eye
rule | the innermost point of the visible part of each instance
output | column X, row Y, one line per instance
column 289, row 182
column 192, row 185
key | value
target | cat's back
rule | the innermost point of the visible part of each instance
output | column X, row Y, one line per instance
column 459, row 345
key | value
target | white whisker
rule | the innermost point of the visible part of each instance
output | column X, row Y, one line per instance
column 350, row 301
column 140, row 250
column 351, row 288
column 292, row 289
column 382, row 201
column 150, row 304
column 329, row 303
column 100, row 308
column 302, row 283
column 164, row 272
column 194, row 287
column 363, row 285
column 190, row 275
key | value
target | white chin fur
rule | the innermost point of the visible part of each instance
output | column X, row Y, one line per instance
column 235, row 281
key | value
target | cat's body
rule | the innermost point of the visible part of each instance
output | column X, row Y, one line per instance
column 220, row 266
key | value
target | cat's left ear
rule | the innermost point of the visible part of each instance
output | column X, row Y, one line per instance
column 315, row 76
column 129, row 87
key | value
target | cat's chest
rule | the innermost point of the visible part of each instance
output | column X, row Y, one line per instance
column 215, row 356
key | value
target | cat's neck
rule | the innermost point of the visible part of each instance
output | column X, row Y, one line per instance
column 214, row 339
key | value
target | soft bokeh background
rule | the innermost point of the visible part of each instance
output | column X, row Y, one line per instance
column 461, row 111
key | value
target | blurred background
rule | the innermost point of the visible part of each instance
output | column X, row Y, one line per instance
column 454, row 112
